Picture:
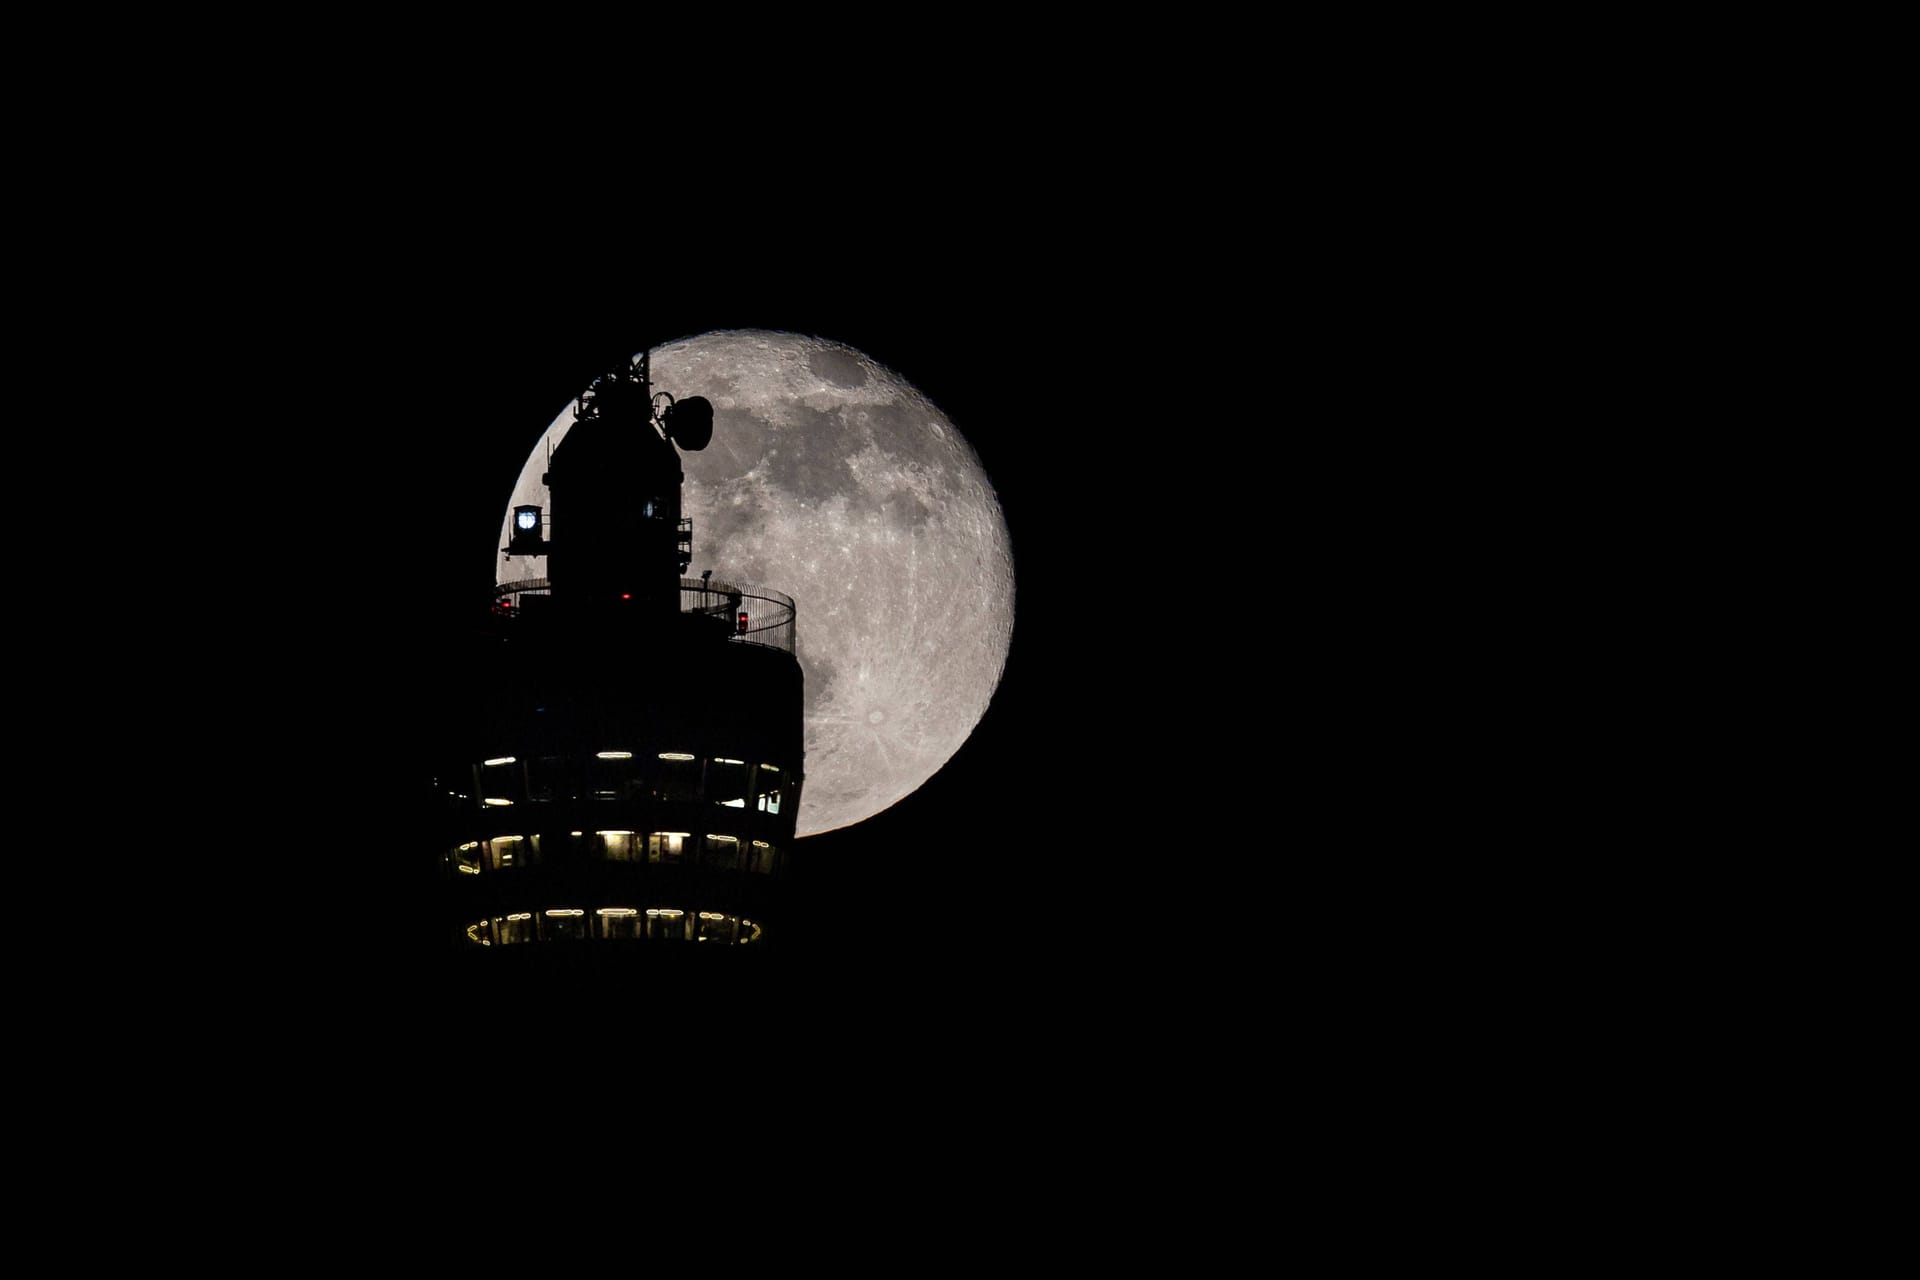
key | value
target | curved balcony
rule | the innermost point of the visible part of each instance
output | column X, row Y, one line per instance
column 750, row 615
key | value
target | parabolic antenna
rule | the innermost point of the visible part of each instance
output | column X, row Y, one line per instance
column 689, row 422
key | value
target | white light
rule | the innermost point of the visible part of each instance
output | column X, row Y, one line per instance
column 499, row 760
column 724, row 760
column 677, row 835
column 527, row 519
column 670, row 912
column 733, row 804
column 728, row 839
column 620, row 912
column 521, row 915
column 566, row 911
column 496, row 800
column 773, row 767
column 676, row 755
column 614, row 755
column 505, row 839
column 573, row 833
column 610, row 833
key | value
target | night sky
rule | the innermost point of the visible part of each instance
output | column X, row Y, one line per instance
column 1018, row 845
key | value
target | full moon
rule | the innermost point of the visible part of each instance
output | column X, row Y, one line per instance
column 832, row 479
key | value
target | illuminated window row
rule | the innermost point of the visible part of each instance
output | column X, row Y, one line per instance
column 670, row 848
column 677, row 777
column 613, row 924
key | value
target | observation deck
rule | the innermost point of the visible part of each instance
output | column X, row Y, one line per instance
column 746, row 614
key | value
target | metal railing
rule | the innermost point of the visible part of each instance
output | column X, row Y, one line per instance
column 769, row 615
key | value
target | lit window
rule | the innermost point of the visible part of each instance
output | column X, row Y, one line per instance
column 678, row 780
column 666, row 924
column 727, row 783
column 666, row 846
column 760, row 857
column 516, row 928
column 616, row 846
column 564, row 924
column 712, row 926
column 619, row 923
column 504, row 852
column 481, row 933
column 722, row 852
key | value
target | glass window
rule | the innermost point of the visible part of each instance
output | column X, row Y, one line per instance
column 727, row 782
column 503, row 852
column 480, row 932
column 515, row 928
column 503, row 779
column 666, row 924
column 549, row 778
column 722, row 852
column 607, row 779
column 618, row 922
column 616, row 846
column 679, row 777
column 760, row 857
column 769, row 782
column 564, row 924
column 466, row 858
column 711, row 926
column 666, row 846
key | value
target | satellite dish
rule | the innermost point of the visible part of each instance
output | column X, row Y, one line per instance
column 689, row 422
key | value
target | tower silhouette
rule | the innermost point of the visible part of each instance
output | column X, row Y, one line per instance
column 620, row 772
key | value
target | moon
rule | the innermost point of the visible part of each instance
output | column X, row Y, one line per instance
column 832, row 479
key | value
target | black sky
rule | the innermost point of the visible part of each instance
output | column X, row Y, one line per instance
column 1016, row 834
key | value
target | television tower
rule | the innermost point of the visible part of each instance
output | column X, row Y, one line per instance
column 622, row 770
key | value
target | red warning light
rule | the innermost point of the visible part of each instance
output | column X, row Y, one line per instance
column 743, row 624
column 626, row 595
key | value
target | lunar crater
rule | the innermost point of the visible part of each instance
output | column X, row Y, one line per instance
column 832, row 479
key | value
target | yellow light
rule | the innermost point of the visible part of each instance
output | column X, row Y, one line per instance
column 724, row 760
column 499, row 760
column 610, row 833
column 728, row 839
column 675, row 755
column 496, row 800
column 761, row 844
column 467, row 870
column 471, row 844
column 678, row 835
column 566, row 911
column 521, row 915
column 621, row 912
column 771, row 767
column 573, row 833
column 614, row 755
column 672, row 913
column 711, row 915
column 505, row 839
